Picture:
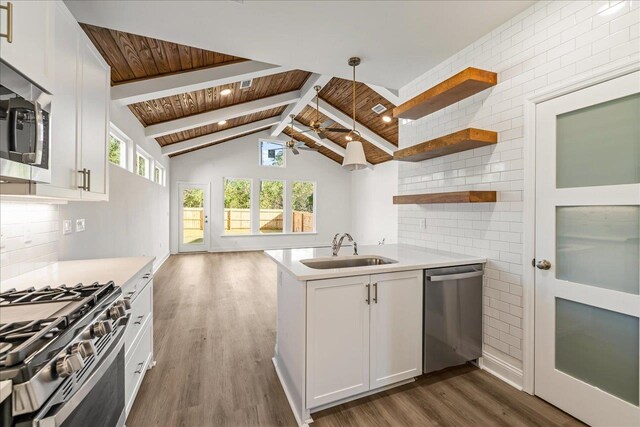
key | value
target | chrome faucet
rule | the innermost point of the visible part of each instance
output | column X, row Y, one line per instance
column 336, row 244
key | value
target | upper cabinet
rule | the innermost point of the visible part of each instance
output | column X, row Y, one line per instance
column 79, row 80
column 29, row 27
column 93, row 116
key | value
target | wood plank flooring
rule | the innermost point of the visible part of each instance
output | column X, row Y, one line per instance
column 214, row 335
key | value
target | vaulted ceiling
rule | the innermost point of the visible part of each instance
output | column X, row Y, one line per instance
column 189, row 98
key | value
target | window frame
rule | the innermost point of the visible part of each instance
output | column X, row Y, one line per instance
column 315, row 206
column 163, row 174
column 125, row 142
column 284, row 150
column 251, row 205
column 150, row 163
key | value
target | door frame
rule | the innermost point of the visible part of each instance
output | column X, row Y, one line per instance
column 207, row 208
column 577, row 83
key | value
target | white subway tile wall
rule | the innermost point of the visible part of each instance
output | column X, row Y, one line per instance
column 29, row 237
column 546, row 44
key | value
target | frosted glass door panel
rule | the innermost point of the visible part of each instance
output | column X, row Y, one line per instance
column 599, row 145
column 599, row 246
column 599, row 347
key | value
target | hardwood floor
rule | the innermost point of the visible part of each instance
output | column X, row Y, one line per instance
column 214, row 332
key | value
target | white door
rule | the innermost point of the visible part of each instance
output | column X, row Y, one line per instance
column 193, row 215
column 337, row 339
column 94, row 120
column 587, row 306
column 396, row 327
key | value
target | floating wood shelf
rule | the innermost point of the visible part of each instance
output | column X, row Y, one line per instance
column 463, row 140
column 453, row 197
column 464, row 84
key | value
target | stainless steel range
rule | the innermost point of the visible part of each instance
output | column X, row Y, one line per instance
column 63, row 350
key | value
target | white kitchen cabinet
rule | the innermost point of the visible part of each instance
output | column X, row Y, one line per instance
column 363, row 333
column 94, row 118
column 337, row 339
column 396, row 327
column 30, row 50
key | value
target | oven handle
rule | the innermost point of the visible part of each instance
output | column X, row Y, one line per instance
column 70, row 405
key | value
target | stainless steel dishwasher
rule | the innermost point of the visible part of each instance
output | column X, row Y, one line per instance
column 452, row 316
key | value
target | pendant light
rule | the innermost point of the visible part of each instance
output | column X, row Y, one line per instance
column 354, row 158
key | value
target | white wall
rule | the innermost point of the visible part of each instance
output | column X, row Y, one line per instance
column 29, row 237
column 239, row 159
column 374, row 215
column 135, row 220
column 547, row 44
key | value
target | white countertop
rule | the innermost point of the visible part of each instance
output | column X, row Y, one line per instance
column 88, row 271
column 408, row 257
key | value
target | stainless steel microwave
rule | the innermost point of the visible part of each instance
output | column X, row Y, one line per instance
column 25, row 123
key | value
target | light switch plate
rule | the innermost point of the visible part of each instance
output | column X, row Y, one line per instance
column 79, row 225
column 66, row 227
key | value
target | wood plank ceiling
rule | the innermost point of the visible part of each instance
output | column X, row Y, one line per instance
column 133, row 58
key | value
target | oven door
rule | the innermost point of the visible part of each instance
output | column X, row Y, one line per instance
column 99, row 401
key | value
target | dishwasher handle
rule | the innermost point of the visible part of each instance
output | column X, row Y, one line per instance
column 444, row 277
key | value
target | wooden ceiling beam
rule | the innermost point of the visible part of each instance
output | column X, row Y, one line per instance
column 388, row 94
column 215, row 116
column 307, row 95
column 344, row 120
column 199, row 141
column 299, row 127
column 188, row 81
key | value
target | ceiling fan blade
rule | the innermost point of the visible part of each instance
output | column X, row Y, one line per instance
column 307, row 148
column 295, row 151
column 339, row 130
column 322, row 135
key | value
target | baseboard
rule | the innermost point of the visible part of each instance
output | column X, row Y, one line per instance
column 269, row 247
column 501, row 369
column 287, row 393
column 157, row 266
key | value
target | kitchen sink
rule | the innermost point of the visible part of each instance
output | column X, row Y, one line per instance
column 346, row 262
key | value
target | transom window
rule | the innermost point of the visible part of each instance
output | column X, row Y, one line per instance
column 272, row 153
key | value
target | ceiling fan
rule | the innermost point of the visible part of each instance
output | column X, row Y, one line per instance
column 292, row 145
column 321, row 129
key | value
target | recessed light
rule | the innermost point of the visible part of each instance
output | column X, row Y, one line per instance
column 225, row 92
column 386, row 119
column 222, row 122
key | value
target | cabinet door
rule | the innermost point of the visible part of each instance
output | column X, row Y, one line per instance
column 337, row 339
column 94, row 119
column 64, row 131
column 29, row 51
column 396, row 327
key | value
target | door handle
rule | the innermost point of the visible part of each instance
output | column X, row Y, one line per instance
column 543, row 264
column 9, row 34
column 375, row 292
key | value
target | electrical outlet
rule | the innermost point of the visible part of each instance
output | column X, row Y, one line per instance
column 423, row 223
column 79, row 225
column 66, row 227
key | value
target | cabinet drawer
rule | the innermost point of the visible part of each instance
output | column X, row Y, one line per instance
column 132, row 288
column 137, row 365
column 140, row 314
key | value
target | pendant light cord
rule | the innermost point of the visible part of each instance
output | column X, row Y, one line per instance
column 354, row 98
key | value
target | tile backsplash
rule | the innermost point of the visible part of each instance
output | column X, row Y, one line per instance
column 30, row 233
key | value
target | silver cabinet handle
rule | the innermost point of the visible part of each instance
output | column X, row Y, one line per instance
column 375, row 292
column 9, row 34
column 139, row 368
column 84, row 179
column 368, row 300
column 88, row 179
column 139, row 320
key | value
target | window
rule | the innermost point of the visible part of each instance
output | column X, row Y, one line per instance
column 302, row 206
column 272, row 153
column 117, row 146
column 158, row 174
column 271, row 206
column 143, row 163
column 237, row 206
